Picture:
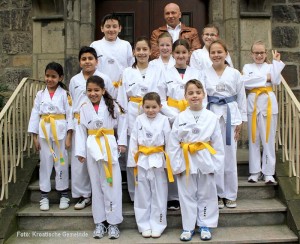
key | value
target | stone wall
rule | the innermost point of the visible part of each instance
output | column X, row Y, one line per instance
column 15, row 41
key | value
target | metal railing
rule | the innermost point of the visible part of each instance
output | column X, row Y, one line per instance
column 288, row 129
column 14, row 139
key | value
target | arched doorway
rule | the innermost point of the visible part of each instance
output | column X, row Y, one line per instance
column 139, row 18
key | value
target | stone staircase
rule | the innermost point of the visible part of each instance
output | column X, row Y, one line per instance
column 259, row 218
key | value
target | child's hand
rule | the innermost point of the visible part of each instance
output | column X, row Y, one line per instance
column 268, row 77
column 237, row 132
column 81, row 159
column 68, row 142
column 36, row 142
column 122, row 149
column 276, row 55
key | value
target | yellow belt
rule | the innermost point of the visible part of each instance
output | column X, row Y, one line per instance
column 50, row 118
column 258, row 91
column 138, row 100
column 192, row 148
column 77, row 116
column 117, row 84
column 181, row 105
column 150, row 150
column 99, row 133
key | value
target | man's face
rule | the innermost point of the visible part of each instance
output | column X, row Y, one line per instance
column 172, row 14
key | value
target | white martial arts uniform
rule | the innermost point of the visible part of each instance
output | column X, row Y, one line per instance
column 151, row 191
column 163, row 65
column 227, row 85
column 255, row 76
column 113, row 58
column 106, row 198
column 134, row 85
column 80, row 181
column 44, row 105
column 197, row 193
column 173, row 86
column 200, row 59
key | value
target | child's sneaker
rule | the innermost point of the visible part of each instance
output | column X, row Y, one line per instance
column 155, row 234
column 113, row 232
column 44, row 204
column 83, row 203
column 64, row 203
column 173, row 205
column 253, row 178
column 230, row 203
column 147, row 233
column 99, row 231
column 187, row 235
column 205, row 234
column 269, row 179
column 220, row 203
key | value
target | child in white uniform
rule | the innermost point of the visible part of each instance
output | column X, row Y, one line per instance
column 196, row 154
column 259, row 78
column 114, row 54
column 96, row 144
column 81, row 186
column 147, row 141
column 51, row 125
column 227, row 99
column 138, row 80
column 200, row 58
column 165, row 59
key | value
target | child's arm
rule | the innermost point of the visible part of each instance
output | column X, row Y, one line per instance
column 36, row 142
column 122, row 128
column 81, row 138
column 133, row 145
column 68, row 143
column 241, row 97
column 34, row 121
column 276, row 68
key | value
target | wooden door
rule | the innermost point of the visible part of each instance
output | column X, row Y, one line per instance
column 140, row 17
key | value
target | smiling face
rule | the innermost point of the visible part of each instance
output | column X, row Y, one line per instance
column 209, row 35
column 217, row 54
column 142, row 52
column 111, row 29
column 165, row 47
column 181, row 56
column 88, row 63
column 258, row 53
column 194, row 95
column 94, row 92
column 151, row 108
column 52, row 78
column 172, row 14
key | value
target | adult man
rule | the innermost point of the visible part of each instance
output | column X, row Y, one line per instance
column 177, row 30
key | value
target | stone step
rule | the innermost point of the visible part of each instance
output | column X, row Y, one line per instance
column 246, row 190
column 220, row 235
column 247, row 213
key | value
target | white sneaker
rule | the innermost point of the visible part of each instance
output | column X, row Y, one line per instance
column 205, row 234
column 230, row 203
column 187, row 235
column 220, row 203
column 44, row 204
column 155, row 234
column 64, row 203
column 83, row 203
column 113, row 232
column 99, row 231
column 269, row 179
column 147, row 233
column 254, row 177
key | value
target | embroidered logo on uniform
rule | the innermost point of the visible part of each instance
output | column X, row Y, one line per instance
column 111, row 61
column 144, row 89
column 131, row 84
column 182, row 87
column 76, row 87
column 168, row 82
column 160, row 218
column 182, row 124
column 51, row 108
column 149, row 135
column 98, row 123
column 195, row 131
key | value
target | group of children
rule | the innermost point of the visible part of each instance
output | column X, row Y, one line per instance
column 165, row 118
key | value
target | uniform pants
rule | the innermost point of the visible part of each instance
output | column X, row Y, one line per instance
column 80, row 180
column 150, row 201
column 106, row 198
column 198, row 200
column 266, row 164
column 227, row 178
column 47, row 163
column 130, row 177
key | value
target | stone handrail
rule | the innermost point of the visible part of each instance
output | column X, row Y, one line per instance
column 288, row 129
column 14, row 139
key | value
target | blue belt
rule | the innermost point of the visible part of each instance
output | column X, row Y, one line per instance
column 222, row 101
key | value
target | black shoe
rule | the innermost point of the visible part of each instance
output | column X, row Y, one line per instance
column 173, row 205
